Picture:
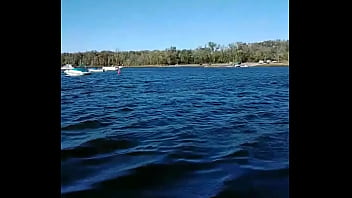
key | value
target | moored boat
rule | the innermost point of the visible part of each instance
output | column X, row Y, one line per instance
column 67, row 67
column 95, row 70
column 113, row 68
column 77, row 72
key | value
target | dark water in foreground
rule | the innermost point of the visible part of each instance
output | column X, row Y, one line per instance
column 175, row 132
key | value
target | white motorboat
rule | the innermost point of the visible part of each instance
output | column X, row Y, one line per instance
column 67, row 67
column 95, row 70
column 110, row 68
column 77, row 72
column 240, row 65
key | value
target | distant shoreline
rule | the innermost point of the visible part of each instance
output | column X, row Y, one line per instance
column 250, row 64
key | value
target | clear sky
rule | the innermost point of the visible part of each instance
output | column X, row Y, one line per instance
column 158, row 24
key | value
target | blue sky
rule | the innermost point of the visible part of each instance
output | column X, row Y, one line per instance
column 158, row 24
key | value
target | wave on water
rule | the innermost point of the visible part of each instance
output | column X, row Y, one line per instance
column 257, row 183
column 88, row 124
column 96, row 146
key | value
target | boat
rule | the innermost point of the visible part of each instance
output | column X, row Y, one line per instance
column 67, row 67
column 240, row 65
column 95, row 70
column 77, row 72
column 112, row 68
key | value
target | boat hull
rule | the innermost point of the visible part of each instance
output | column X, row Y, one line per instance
column 109, row 68
column 114, row 68
column 76, row 73
column 96, row 70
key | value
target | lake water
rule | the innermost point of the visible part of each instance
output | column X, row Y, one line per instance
column 176, row 132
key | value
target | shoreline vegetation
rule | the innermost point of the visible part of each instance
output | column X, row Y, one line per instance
column 266, row 53
column 249, row 64
column 218, row 65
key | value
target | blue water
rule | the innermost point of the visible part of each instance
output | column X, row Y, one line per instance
column 175, row 132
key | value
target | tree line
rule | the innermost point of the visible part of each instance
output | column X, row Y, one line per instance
column 210, row 53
